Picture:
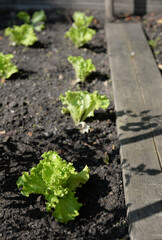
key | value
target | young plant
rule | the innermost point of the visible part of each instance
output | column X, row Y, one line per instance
column 82, row 104
column 81, row 20
column 153, row 43
column 7, row 68
column 82, row 67
column 57, row 180
column 80, row 36
column 37, row 21
column 23, row 34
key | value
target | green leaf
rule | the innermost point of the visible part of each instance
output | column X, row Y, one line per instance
column 6, row 67
column 57, row 180
column 31, row 183
column 153, row 42
column 82, row 104
column 81, row 20
column 76, row 180
column 23, row 34
column 36, row 21
column 40, row 27
column 82, row 67
column 80, row 36
column 67, row 208
column 38, row 17
column 24, row 16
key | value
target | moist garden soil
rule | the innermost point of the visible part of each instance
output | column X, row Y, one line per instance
column 31, row 123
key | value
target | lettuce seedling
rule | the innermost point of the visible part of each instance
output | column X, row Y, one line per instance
column 57, row 180
column 82, row 67
column 82, row 104
column 80, row 36
column 81, row 20
column 153, row 43
column 7, row 68
column 23, row 34
column 37, row 21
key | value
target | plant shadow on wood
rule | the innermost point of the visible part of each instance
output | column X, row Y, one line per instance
column 145, row 122
column 141, row 169
column 144, row 212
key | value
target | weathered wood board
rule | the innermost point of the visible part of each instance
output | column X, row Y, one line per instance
column 120, row 6
column 137, row 86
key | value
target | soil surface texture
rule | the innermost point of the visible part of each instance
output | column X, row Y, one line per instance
column 31, row 123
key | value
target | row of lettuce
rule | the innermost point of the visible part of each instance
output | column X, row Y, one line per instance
column 53, row 177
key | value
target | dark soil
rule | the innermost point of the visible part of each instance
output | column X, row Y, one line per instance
column 31, row 123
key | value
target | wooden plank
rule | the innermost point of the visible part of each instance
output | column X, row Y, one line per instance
column 137, row 6
column 120, row 6
column 150, row 81
column 109, row 9
column 39, row 4
column 142, row 176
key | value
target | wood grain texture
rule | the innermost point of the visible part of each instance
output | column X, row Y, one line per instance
column 120, row 6
column 132, row 67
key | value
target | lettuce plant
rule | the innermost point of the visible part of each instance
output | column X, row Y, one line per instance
column 82, row 67
column 37, row 21
column 23, row 34
column 80, row 36
column 153, row 43
column 57, row 180
column 7, row 68
column 82, row 104
column 81, row 20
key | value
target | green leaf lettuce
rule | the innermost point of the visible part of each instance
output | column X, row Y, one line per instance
column 82, row 67
column 57, row 180
column 82, row 104
column 23, row 34
column 80, row 36
column 37, row 21
column 81, row 20
column 7, row 68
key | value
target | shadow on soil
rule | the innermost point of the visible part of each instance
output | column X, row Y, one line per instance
column 23, row 74
column 97, row 75
column 96, row 49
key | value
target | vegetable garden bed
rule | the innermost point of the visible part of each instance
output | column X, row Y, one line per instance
column 32, row 123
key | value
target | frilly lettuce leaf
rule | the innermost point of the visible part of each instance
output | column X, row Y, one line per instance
column 23, row 34
column 24, row 16
column 81, row 20
column 67, row 208
column 82, row 104
column 80, row 36
column 36, row 21
column 57, row 180
column 7, row 68
column 82, row 67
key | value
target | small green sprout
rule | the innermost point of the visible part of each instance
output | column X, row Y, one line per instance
column 37, row 21
column 21, row 35
column 82, row 67
column 7, row 68
column 80, row 36
column 81, row 20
